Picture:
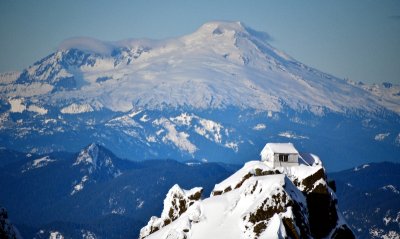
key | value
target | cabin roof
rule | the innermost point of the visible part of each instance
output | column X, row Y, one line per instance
column 281, row 148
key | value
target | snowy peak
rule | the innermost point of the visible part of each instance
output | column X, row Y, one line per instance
column 95, row 163
column 216, row 27
column 57, row 68
column 258, row 202
column 222, row 64
column 229, row 30
column 88, row 156
column 217, row 30
column 176, row 203
column 97, row 158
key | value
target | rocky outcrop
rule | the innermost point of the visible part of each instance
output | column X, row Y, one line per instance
column 256, row 202
column 7, row 230
column 176, row 203
column 285, row 200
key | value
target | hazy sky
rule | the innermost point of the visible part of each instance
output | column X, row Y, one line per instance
column 359, row 40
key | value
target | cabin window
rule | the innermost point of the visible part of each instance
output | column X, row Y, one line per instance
column 283, row 157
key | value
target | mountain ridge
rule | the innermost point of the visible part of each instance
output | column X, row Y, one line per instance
column 353, row 187
column 121, row 201
column 369, row 199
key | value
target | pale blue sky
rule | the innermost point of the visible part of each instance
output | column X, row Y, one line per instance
column 359, row 40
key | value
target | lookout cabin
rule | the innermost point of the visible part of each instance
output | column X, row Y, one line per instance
column 280, row 154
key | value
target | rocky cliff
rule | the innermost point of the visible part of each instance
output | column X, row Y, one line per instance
column 255, row 202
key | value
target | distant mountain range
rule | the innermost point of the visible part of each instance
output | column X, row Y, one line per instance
column 369, row 197
column 94, row 194
column 215, row 95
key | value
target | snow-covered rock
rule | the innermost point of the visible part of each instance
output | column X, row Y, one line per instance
column 176, row 203
column 257, row 202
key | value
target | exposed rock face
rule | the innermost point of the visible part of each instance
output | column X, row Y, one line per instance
column 285, row 200
column 175, row 204
column 7, row 230
column 256, row 202
column 321, row 204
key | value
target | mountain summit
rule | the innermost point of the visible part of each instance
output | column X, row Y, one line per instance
column 221, row 64
column 258, row 201
column 223, row 87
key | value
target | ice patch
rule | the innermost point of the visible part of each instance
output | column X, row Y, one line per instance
column 151, row 139
column 292, row 135
column 38, row 163
column 17, row 105
column 37, row 109
column 232, row 145
column 77, row 109
column 259, row 127
column 119, row 211
column 78, row 187
column 210, row 129
column 179, row 139
column 139, row 203
column 391, row 188
column 125, row 121
column 362, row 167
column 381, row 137
column 56, row 235
column 182, row 119
column 144, row 118
column 88, row 234
column 380, row 233
column 191, row 164
column 46, row 121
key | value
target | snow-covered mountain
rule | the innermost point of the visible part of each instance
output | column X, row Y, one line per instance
column 223, row 87
column 255, row 202
column 221, row 64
